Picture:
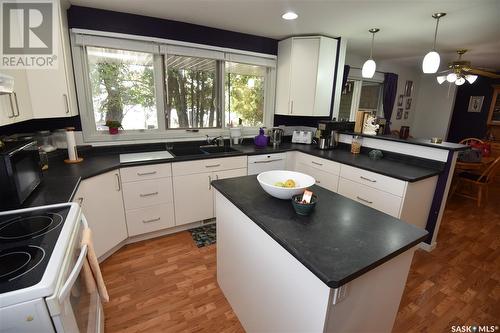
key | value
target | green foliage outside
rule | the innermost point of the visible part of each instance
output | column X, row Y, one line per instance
column 246, row 102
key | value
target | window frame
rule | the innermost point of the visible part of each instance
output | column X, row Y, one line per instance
column 80, row 39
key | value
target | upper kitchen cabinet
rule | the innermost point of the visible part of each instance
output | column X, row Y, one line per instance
column 52, row 91
column 305, row 76
column 15, row 106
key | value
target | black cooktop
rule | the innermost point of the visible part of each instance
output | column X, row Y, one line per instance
column 26, row 244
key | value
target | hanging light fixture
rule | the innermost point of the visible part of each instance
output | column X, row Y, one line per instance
column 432, row 59
column 441, row 78
column 370, row 66
column 471, row 78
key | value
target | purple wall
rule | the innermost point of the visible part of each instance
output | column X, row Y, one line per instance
column 110, row 21
column 470, row 124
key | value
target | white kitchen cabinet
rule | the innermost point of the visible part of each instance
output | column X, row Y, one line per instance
column 305, row 75
column 102, row 204
column 52, row 91
column 193, row 193
column 16, row 107
column 324, row 179
column 325, row 172
column 261, row 163
column 193, row 199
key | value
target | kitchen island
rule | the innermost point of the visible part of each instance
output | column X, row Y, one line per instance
column 341, row 269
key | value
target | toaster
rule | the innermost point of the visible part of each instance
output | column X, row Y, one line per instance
column 302, row 137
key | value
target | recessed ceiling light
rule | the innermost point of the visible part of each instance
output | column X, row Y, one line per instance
column 289, row 16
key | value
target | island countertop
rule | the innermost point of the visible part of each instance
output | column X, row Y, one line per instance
column 340, row 241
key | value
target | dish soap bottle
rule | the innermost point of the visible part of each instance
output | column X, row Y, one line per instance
column 261, row 139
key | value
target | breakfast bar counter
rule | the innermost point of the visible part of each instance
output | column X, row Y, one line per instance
column 343, row 268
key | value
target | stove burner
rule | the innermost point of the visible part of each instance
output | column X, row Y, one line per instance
column 16, row 262
column 12, row 262
column 29, row 227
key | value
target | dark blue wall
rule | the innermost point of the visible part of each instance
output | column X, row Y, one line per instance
column 105, row 20
column 471, row 124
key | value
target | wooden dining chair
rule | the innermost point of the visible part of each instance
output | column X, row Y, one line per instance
column 480, row 181
column 470, row 141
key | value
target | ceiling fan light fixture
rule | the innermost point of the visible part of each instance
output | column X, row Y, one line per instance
column 430, row 64
column 459, row 81
column 368, row 69
column 471, row 78
column 452, row 77
column 370, row 66
column 441, row 79
column 289, row 16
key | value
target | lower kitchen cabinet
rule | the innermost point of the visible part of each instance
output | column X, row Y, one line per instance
column 193, row 197
column 102, row 204
column 149, row 219
column 323, row 179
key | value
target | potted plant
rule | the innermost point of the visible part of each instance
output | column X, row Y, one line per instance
column 113, row 126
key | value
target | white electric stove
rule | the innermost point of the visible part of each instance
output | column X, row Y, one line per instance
column 41, row 257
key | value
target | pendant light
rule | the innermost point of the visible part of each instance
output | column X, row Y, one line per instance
column 369, row 66
column 431, row 60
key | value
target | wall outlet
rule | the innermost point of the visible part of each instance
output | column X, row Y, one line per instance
column 339, row 294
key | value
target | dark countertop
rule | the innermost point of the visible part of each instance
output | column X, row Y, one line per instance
column 61, row 180
column 414, row 141
column 341, row 240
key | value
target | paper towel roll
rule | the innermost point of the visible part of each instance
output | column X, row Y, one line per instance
column 71, row 141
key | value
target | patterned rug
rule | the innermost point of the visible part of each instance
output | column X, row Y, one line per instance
column 204, row 235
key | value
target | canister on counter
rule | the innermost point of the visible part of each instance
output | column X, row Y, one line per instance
column 356, row 144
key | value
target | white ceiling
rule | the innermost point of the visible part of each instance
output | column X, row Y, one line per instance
column 406, row 27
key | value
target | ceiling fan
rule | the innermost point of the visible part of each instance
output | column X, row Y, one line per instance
column 460, row 71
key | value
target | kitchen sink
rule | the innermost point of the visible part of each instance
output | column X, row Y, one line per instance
column 188, row 151
column 217, row 149
column 203, row 150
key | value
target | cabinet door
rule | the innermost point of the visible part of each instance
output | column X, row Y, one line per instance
column 323, row 179
column 16, row 107
column 193, row 198
column 103, row 207
column 283, row 77
column 58, row 98
column 304, row 71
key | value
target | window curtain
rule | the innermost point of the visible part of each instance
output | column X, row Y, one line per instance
column 390, row 91
column 347, row 68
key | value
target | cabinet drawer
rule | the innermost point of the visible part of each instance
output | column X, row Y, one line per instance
column 369, row 196
column 144, row 220
column 319, row 163
column 145, row 172
column 323, row 179
column 208, row 165
column 147, row 193
column 375, row 180
column 261, row 163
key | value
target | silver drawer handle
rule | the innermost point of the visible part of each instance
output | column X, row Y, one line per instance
column 368, row 179
column 320, row 164
column 269, row 161
column 148, row 194
column 364, row 200
column 146, row 173
column 212, row 165
column 152, row 220
column 318, row 182
column 209, row 182
column 66, row 102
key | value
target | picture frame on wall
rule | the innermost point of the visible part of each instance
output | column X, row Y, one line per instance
column 399, row 113
column 406, row 115
column 400, row 100
column 475, row 103
column 408, row 88
column 408, row 104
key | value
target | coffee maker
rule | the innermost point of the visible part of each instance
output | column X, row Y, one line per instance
column 326, row 134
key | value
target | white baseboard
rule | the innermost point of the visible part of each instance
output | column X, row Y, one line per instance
column 427, row 247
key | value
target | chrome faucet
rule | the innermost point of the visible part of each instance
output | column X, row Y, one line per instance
column 218, row 140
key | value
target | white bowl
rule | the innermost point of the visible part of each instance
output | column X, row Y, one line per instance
column 269, row 178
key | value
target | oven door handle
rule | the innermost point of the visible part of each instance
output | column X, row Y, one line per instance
column 73, row 275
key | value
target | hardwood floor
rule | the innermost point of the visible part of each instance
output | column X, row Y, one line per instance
column 169, row 285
